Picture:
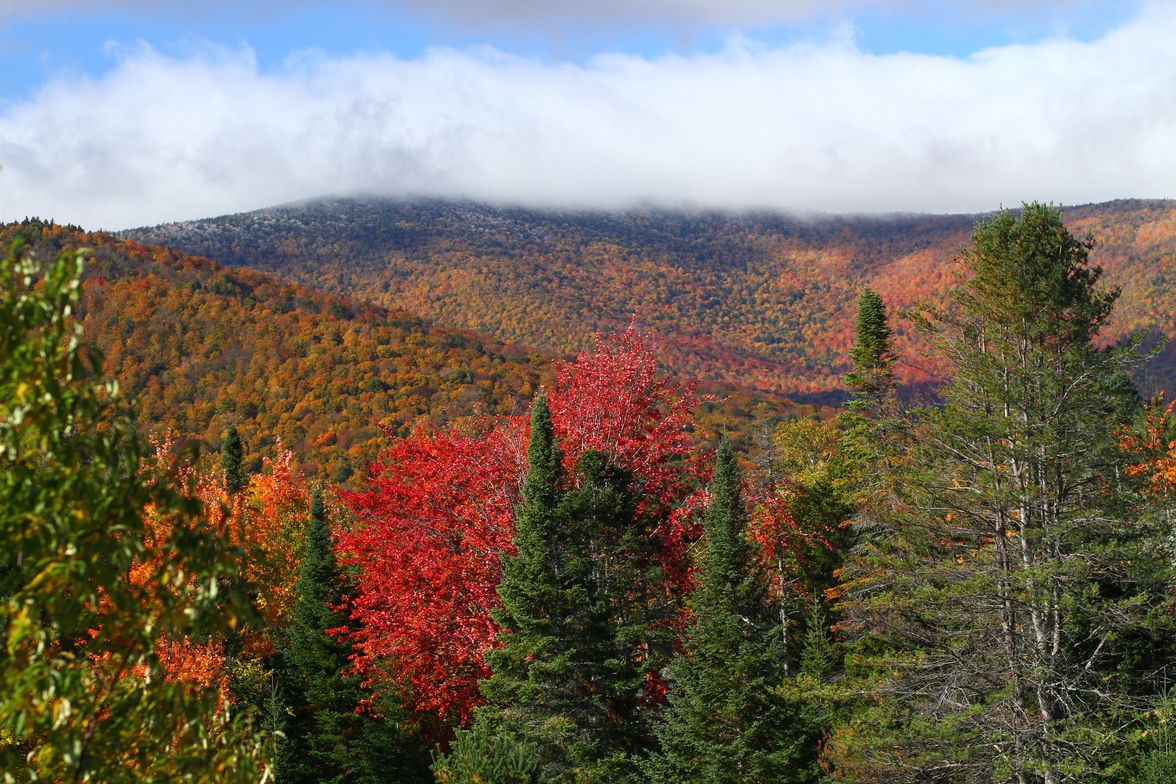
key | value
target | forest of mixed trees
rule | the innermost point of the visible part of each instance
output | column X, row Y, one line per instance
column 761, row 300
column 575, row 570
column 199, row 346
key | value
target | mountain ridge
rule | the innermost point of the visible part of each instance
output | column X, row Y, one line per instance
column 764, row 300
column 199, row 346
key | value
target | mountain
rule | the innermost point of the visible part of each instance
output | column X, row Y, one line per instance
column 199, row 346
column 761, row 300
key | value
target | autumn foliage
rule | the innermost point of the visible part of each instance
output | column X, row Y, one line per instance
column 600, row 613
column 1154, row 445
column 430, row 531
column 200, row 346
column 439, row 512
column 260, row 527
column 765, row 301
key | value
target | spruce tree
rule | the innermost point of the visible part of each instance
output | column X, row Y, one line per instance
column 565, row 679
column 872, row 354
column 528, row 588
column 232, row 455
column 999, row 580
column 477, row 756
column 332, row 735
column 725, row 724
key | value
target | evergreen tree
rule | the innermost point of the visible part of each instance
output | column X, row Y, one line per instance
column 996, row 580
column 529, row 588
column 332, row 734
column 872, row 354
column 566, row 679
column 232, row 454
column 1154, row 760
column 725, row 723
column 819, row 465
column 476, row 757
column 872, row 422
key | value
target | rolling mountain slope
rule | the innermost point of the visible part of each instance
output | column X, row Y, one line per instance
column 761, row 300
column 199, row 346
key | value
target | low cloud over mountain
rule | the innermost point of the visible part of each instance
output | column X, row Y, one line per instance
column 811, row 126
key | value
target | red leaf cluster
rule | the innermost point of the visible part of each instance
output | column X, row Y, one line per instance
column 439, row 513
column 430, row 532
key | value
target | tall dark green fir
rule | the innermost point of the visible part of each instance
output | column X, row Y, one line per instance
column 726, row 723
column 565, row 679
column 232, row 455
column 529, row 587
column 872, row 379
column 332, row 735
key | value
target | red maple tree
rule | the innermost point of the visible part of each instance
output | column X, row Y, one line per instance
column 431, row 529
column 439, row 513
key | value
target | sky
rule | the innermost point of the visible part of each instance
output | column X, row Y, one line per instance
column 123, row 113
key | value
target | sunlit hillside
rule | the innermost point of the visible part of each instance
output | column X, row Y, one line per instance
column 762, row 300
column 199, row 346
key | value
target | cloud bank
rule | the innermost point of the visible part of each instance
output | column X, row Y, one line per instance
column 818, row 126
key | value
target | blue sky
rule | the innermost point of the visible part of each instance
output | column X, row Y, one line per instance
column 119, row 113
column 84, row 38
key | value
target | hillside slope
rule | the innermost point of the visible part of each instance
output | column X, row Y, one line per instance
column 199, row 346
column 761, row 300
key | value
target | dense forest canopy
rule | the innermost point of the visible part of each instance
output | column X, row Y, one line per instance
column 199, row 347
column 761, row 300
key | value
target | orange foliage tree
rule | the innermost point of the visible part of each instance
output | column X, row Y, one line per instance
column 262, row 529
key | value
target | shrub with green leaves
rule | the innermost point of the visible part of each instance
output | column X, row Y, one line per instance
column 83, row 694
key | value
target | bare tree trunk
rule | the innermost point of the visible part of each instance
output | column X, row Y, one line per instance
column 784, row 640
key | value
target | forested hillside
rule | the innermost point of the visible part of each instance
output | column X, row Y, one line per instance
column 200, row 347
column 762, row 300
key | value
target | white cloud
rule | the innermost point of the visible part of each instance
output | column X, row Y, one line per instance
column 808, row 127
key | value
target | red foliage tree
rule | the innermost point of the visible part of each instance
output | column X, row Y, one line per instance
column 783, row 545
column 431, row 528
column 439, row 513
column 614, row 401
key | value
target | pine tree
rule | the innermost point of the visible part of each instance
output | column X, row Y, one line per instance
column 872, row 422
column 989, row 601
column 566, row 678
column 872, row 354
column 332, row 734
column 725, row 724
column 476, row 757
column 528, row 588
column 232, row 454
